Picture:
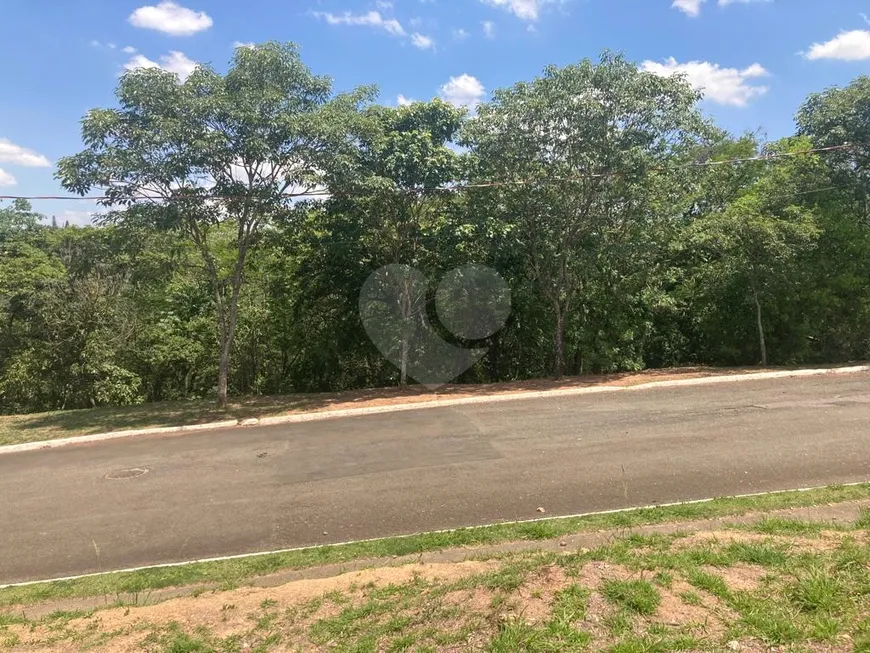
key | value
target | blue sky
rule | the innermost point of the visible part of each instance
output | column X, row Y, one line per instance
column 756, row 59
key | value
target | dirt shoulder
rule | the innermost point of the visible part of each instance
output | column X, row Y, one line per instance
column 794, row 578
column 18, row 429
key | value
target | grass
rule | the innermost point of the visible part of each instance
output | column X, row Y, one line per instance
column 227, row 574
column 635, row 595
column 17, row 429
column 805, row 597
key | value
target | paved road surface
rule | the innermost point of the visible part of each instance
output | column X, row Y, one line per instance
column 244, row 490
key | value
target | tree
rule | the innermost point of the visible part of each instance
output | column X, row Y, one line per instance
column 403, row 153
column 217, row 157
column 841, row 117
column 577, row 148
column 17, row 217
column 756, row 240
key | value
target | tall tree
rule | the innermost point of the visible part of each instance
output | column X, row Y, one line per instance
column 758, row 238
column 404, row 153
column 16, row 217
column 217, row 157
column 841, row 117
column 577, row 148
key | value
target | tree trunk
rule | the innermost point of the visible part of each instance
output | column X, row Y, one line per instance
column 403, row 374
column 408, row 307
column 559, row 344
column 762, row 344
column 227, row 314
column 223, row 372
column 228, row 321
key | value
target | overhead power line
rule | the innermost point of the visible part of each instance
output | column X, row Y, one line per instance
column 459, row 187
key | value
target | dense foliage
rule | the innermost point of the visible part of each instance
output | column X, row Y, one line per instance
column 631, row 231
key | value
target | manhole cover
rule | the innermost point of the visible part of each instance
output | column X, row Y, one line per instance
column 126, row 473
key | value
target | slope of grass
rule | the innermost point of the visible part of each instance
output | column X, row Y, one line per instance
column 814, row 598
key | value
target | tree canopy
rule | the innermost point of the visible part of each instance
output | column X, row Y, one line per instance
column 249, row 208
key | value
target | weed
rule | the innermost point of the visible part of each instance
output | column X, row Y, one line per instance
column 756, row 553
column 708, row 582
column 639, row 596
column 663, row 578
column 816, row 591
column 691, row 598
column 783, row 526
column 863, row 521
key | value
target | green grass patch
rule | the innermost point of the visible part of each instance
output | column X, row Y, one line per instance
column 768, row 619
column 7, row 619
column 817, row 591
column 639, row 596
column 863, row 520
column 690, row 598
column 755, row 553
column 784, row 526
column 663, row 578
column 710, row 583
column 655, row 644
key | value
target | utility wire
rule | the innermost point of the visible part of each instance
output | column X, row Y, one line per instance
column 763, row 158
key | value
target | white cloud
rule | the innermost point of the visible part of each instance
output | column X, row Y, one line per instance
column 463, row 91
column 174, row 62
column 17, row 155
column 525, row 9
column 729, row 86
column 460, row 34
column 488, row 29
column 140, row 61
column 78, row 218
column 421, row 41
column 693, row 7
column 383, row 4
column 129, row 49
column 688, row 7
column 170, row 18
column 370, row 19
column 6, row 179
column 243, row 44
column 178, row 63
column 402, row 101
column 846, row 46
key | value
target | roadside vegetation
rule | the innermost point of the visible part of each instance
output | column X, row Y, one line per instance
column 769, row 583
column 635, row 234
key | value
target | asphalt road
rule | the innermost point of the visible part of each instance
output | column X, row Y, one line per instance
column 244, row 490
